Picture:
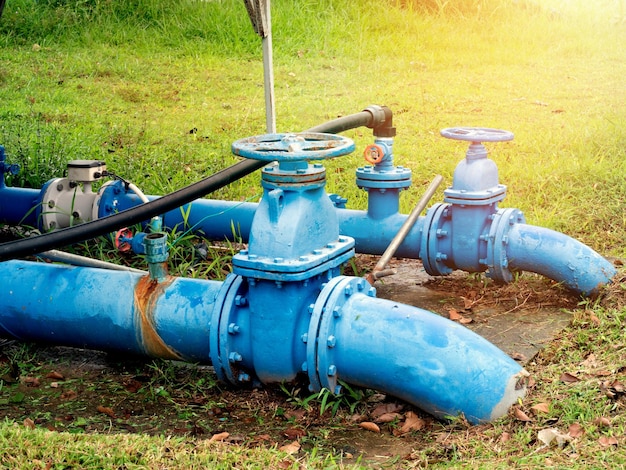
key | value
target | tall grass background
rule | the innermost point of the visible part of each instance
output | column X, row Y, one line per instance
column 159, row 89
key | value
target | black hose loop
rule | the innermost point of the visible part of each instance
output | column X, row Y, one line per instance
column 99, row 227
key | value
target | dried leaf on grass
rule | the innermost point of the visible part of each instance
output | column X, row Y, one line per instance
column 369, row 426
column 575, row 430
column 568, row 378
column 612, row 389
column 106, row 410
column 517, row 356
column 605, row 441
column 385, row 408
column 540, row 408
column 388, row 417
column 55, row 375
column 29, row 423
column 291, row 448
column 552, row 435
column 456, row 316
column 219, row 437
column 602, row 421
column 294, row 433
column 412, row 422
column 520, row 415
column 32, row 381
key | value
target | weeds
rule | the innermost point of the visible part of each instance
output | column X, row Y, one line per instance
column 349, row 399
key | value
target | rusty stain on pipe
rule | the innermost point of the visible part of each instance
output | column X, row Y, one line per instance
column 147, row 293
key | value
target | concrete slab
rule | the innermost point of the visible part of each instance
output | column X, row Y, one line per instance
column 519, row 327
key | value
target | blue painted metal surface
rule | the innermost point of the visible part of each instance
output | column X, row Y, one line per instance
column 470, row 233
column 382, row 180
column 549, row 253
column 156, row 255
column 107, row 310
column 295, row 233
column 293, row 147
column 408, row 352
column 285, row 310
column 17, row 205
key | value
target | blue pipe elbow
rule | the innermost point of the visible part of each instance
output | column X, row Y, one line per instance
column 558, row 257
column 423, row 358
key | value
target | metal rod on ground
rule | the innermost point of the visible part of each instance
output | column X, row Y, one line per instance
column 379, row 270
column 77, row 260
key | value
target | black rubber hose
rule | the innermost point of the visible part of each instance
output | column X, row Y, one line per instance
column 371, row 117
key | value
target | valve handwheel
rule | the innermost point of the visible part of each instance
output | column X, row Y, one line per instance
column 292, row 147
column 477, row 134
column 374, row 154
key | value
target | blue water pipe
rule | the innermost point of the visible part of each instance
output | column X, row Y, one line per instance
column 284, row 312
column 467, row 232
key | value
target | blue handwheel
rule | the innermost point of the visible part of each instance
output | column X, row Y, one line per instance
column 292, row 147
column 477, row 134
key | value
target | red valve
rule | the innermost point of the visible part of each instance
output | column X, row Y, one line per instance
column 122, row 238
column 374, row 153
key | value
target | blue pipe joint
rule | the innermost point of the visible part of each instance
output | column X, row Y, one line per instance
column 156, row 255
column 497, row 260
column 320, row 364
column 229, row 342
column 382, row 180
column 469, row 238
column 114, row 198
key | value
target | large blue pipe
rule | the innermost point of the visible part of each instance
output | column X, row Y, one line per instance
column 561, row 257
column 346, row 333
column 556, row 256
column 107, row 310
column 409, row 352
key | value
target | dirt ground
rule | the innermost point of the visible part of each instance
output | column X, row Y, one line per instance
column 80, row 391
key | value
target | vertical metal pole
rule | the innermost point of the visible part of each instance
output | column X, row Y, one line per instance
column 268, row 71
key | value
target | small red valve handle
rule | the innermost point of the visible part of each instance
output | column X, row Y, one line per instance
column 121, row 239
column 374, row 154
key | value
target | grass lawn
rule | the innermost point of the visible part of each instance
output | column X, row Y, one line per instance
column 159, row 90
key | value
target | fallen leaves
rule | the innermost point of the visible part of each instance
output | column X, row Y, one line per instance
column 608, row 441
column 291, row 448
column 612, row 388
column 391, row 414
column 520, row 415
column 454, row 315
column 411, row 423
column 54, row 375
column 219, row 437
column 568, row 378
column 369, row 426
column 540, row 408
column 106, row 410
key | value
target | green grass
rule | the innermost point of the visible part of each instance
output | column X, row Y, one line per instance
column 127, row 81
column 100, row 83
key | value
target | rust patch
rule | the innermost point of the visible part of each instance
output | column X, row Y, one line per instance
column 147, row 292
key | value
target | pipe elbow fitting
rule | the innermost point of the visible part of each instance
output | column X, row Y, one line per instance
column 558, row 257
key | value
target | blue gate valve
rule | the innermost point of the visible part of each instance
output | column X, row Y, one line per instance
column 468, row 231
column 294, row 247
column 295, row 232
